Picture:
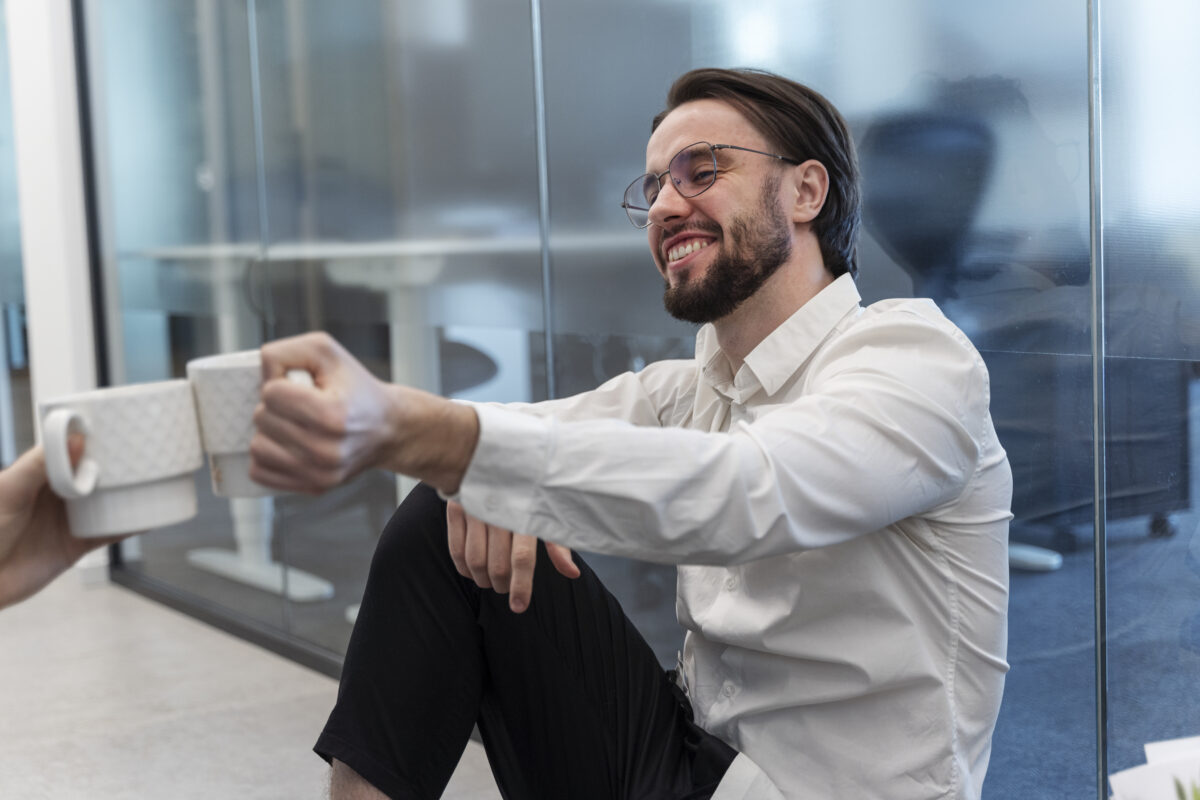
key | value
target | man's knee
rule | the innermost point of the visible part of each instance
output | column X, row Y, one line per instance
column 346, row 784
column 416, row 530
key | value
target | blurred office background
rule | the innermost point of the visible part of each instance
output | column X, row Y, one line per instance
column 436, row 183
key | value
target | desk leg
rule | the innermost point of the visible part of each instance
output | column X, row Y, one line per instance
column 251, row 563
column 253, row 517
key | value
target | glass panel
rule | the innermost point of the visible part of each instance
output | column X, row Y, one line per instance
column 402, row 203
column 399, row 175
column 176, row 177
column 1152, row 327
column 972, row 126
column 16, row 413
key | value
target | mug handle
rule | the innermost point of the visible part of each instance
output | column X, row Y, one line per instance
column 68, row 483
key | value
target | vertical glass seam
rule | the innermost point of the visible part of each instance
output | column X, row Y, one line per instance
column 260, row 166
column 543, row 165
column 1099, row 421
column 278, row 534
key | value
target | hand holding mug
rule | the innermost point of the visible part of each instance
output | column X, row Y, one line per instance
column 143, row 444
column 312, row 438
column 36, row 544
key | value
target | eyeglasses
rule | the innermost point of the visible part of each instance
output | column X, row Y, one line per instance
column 693, row 169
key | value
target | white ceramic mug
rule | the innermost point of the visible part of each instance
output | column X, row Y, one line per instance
column 142, row 446
column 226, row 388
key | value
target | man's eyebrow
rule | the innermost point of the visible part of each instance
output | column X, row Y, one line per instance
column 683, row 149
column 653, row 171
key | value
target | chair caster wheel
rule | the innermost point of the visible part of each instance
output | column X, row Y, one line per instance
column 1160, row 527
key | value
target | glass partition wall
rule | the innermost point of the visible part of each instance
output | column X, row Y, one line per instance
column 436, row 183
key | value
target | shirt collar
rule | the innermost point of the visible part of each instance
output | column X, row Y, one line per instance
column 777, row 358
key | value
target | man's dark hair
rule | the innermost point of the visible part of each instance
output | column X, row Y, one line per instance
column 801, row 124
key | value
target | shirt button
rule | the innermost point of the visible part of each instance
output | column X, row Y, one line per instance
column 731, row 583
column 728, row 690
column 492, row 502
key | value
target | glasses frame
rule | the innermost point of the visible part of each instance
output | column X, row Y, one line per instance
column 630, row 208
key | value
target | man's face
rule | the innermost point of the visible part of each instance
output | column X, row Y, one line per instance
column 718, row 248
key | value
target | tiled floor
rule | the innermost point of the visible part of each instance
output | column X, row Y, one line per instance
column 107, row 696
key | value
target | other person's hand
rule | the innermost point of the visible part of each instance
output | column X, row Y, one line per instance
column 498, row 559
column 36, row 544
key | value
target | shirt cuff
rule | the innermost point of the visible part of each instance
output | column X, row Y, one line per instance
column 510, row 458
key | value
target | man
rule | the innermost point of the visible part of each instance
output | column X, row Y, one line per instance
column 36, row 544
column 826, row 476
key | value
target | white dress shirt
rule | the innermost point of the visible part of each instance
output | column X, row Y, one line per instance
column 838, row 509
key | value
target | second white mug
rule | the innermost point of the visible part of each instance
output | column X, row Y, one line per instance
column 227, row 388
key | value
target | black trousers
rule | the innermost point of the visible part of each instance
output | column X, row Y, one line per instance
column 569, row 699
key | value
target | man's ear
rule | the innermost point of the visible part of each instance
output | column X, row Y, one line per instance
column 812, row 187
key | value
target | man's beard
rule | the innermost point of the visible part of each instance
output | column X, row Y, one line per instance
column 754, row 247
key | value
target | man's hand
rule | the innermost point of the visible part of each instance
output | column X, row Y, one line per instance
column 312, row 438
column 499, row 559
column 36, row 544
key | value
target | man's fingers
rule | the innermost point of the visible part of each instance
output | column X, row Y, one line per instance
column 476, row 552
column 288, row 481
column 499, row 558
column 312, row 352
column 561, row 558
column 524, row 560
column 266, row 453
column 305, row 406
column 277, row 467
column 456, row 534
column 308, row 445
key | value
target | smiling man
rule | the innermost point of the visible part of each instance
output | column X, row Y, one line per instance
column 826, row 477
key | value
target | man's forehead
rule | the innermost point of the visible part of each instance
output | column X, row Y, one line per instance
column 713, row 121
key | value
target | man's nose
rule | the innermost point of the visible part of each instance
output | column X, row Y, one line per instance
column 669, row 204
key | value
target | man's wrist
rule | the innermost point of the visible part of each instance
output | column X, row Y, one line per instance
column 433, row 439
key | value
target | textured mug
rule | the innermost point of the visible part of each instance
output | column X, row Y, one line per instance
column 142, row 446
column 226, row 388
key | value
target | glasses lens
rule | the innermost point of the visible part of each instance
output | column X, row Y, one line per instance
column 693, row 169
column 639, row 197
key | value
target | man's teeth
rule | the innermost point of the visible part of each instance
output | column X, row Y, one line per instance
column 676, row 253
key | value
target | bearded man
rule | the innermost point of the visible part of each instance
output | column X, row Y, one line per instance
column 825, row 475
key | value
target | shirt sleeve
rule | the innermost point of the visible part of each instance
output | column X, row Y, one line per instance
column 660, row 394
column 888, row 427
